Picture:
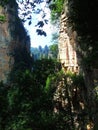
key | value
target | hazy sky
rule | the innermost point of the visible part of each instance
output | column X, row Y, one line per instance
column 37, row 40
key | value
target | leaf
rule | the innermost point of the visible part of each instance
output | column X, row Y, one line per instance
column 40, row 24
column 30, row 23
column 46, row 21
column 30, row 17
column 37, row 11
column 41, row 32
column 33, row 5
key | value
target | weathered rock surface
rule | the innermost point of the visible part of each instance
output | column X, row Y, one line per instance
column 13, row 36
column 67, row 53
column 5, row 40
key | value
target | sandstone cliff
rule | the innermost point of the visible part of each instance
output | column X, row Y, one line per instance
column 67, row 46
column 14, row 40
column 79, row 32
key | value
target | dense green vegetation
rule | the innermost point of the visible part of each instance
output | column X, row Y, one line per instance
column 43, row 99
column 24, row 104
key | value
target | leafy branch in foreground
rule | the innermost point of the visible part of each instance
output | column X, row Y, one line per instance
column 35, row 7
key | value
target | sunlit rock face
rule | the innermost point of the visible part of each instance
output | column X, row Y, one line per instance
column 67, row 53
column 12, row 37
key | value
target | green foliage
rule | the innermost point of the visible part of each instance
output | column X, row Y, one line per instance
column 28, row 102
column 2, row 18
column 3, row 2
column 22, row 61
column 77, row 80
column 68, row 87
column 56, row 9
column 25, row 102
column 3, row 105
column 52, row 81
column 54, row 50
column 47, row 83
column 44, row 68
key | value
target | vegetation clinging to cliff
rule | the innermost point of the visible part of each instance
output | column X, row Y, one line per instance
column 2, row 18
column 56, row 7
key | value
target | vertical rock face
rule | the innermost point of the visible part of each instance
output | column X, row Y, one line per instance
column 67, row 53
column 13, row 38
column 5, row 40
column 81, row 27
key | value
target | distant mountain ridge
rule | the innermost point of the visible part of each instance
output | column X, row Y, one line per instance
column 45, row 52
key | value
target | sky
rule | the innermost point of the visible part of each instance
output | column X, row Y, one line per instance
column 37, row 40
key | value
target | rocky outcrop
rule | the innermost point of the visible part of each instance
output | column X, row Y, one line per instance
column 79, row 32
column 5, row 40
column 67, row 53
column 13, row 38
